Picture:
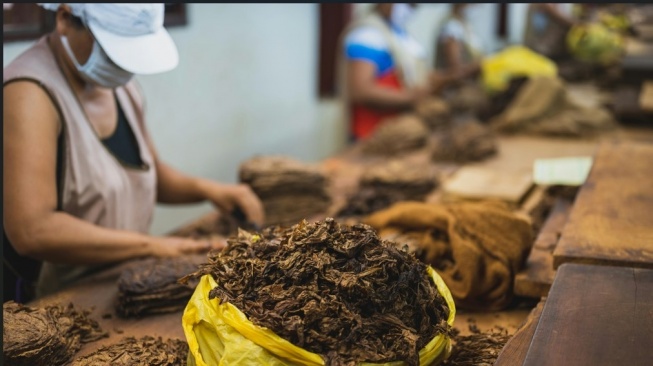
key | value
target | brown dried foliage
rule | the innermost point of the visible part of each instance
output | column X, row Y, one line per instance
column 150, row 286
column 335, row 290
column 45, row 336
column 145, row 351
column 478, row 348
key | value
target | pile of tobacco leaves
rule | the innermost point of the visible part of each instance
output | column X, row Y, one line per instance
column 289, row 189
column 150, row 286
column 332, row 289
column 145, row 351
column 48, row 335
column 477, row 349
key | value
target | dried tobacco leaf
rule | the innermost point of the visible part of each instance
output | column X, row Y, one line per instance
column 383, row 184
column 412, row 181
column 289, row 189
column 465, row 141
column 45, row 336
column 145, row 351
column 477, row 349
column 397, row 135
column 332, row 289
column 150, row 286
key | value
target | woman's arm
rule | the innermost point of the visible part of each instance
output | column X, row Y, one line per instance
column 175, row 187
column 362, row 88
column 32, row 224
column 456, row 69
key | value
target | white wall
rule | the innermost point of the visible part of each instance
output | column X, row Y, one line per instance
column 246, row 84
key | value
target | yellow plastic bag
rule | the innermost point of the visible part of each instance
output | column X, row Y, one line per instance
column 514, row 61
column 220, row 334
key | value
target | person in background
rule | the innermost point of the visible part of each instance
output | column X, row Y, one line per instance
column 81, row 173
column 459, row 49
column 382, row 68
column 546, row 29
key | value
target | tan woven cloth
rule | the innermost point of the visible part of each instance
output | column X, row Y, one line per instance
column 477, row 247
column 543, row 107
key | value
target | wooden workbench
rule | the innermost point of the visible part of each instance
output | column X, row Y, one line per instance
column 516, row 154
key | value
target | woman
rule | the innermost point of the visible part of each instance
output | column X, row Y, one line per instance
column 81, row 175
column 458, row 50
column 546, row 29
column 382, row 68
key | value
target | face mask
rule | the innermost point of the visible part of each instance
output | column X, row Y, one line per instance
column 99, row 68
column 401, row 14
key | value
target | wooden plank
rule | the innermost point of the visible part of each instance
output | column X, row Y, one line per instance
column 595, row 315
column 514, row 352
column 611, row 222
column 646, row 96
column 537, row 276
column 475, row 183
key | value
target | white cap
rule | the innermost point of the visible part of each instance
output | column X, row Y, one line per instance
column 132, row 35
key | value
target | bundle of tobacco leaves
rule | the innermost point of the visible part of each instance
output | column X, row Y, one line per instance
column 45, row 336
column 434, row 112
column 369, row 199
column 478, row 348
column 289, row 189
column 150, row 286
column 382, row 185
column 335, row 290
column 145, row 351
column 465, row 141
column 411, row 181
column 396, row 135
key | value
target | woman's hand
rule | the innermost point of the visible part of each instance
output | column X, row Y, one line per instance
column 172, row 246
column 226, row 197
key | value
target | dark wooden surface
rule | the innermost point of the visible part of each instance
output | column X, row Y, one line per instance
column 514, row 352
column 516, row 155
column 537, row 276
column 611, row 222
column 596, row 315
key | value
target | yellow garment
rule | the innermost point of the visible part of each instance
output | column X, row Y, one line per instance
column 514, row 61
column 220, row 334
column 616, row 22
column 595, row 43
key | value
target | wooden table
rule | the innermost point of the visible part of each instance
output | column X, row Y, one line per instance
column 100, row 293
column 611, row 222
column 595, row 315
column 516, row 154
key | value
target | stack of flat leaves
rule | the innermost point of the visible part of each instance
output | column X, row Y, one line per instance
column 413, row 181
column 465, row 141
column 150, row 286
column 145, row 351
column 394, row 136
column 434, row 112
column 45, row 336
column 369, row 199
column 382, row 185
column 289, row 189
column 335, row 290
